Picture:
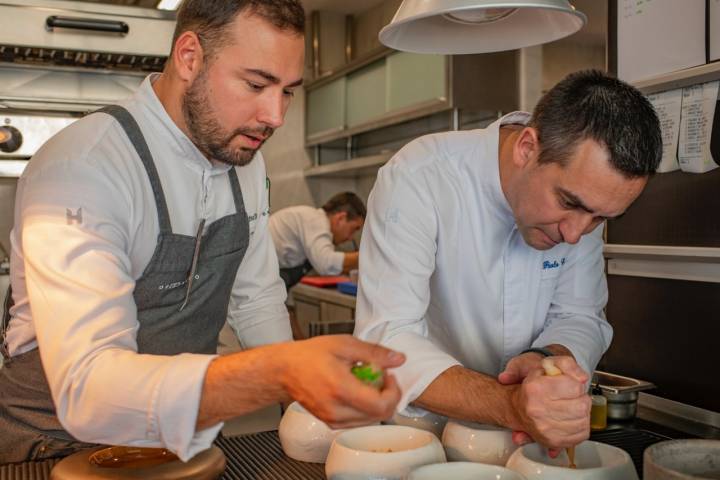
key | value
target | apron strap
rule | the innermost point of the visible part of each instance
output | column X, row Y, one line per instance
column 236, row 191
column 132, row 130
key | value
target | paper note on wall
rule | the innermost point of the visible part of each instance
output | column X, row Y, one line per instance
column 668, row 105
column 655, row 37
column 698, row 110
column 714, row 29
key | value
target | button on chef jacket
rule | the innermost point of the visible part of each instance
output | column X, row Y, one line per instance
column 89, row 174
column 446, row 278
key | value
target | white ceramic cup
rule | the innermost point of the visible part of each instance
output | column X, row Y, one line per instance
column 303, row 436
column 386, row 452
column 473, row 442
column 594, row 461
column 682, row 460
column 463, row 471
column 430, row 422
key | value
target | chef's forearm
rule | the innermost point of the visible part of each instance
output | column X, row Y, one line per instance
column 241, row 383
column 462, row 393
column 350, row 261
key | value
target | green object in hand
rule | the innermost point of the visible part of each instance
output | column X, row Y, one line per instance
column 368, row 373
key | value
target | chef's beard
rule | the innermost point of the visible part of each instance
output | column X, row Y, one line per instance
column 206, row 132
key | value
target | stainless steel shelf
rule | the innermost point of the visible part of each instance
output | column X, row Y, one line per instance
column 680, row 78
column 663, row 253
column 350, row 168
column 391, row 118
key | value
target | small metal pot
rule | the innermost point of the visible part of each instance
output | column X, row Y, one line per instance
column 621, row 393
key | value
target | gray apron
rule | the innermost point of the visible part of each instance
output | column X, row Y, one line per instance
column 182, row 300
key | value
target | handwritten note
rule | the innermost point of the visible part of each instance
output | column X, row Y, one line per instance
column 668, row 106
column 655, row 37
column 698, row 110
column 714, row 33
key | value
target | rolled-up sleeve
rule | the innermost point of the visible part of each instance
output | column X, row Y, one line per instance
column 77, row 272
column 397, row 259
column 257, row 311
column 576, row 318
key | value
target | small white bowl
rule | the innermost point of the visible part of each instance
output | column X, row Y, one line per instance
column 303, row 436
column 473, row 442
column 387, row 452
column 682, row 460
column 463, row 471
column 430, row 422
column 594, row 460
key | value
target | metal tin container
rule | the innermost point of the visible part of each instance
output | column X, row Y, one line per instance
column 621, row 393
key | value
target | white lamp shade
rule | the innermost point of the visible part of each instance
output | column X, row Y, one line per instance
column 479, row 26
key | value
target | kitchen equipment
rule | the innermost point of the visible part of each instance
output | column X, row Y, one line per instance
column 77, row 56
column 594, row 461
column 303, row 436
column 463, row 471
column 138, row 463
column 323, row 281
column 479, row 26
column 621, row 393
column 683, row 460
column 473, row 442
column 386, row 452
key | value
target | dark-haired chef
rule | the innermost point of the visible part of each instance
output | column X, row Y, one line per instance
column 305, row 237
column 482, row 254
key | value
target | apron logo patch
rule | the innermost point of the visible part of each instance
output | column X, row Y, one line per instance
column 170, row 286
column 73, row 218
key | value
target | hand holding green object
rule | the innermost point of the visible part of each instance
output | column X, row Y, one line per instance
column 369, row 374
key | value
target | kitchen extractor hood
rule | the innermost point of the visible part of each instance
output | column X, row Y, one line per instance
column 76, row 56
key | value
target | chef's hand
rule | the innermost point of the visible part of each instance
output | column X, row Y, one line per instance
column 519, row 367
column 317, row 374
column 553, row 411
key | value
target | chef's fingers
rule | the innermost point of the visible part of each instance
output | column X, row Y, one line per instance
column 355, row 350
column 562, row 387
column 377, row 404
column 570, row 367
column 365, row 405
column 521, row 438
column 509, row 377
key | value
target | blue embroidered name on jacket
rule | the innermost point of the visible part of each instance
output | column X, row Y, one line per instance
column 547, row 265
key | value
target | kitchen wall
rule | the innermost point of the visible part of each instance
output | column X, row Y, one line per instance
column 541, row 67
column 7, row 202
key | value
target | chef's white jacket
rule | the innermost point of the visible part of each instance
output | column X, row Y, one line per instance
column 303, row 233
column 73, row 283
column 446, row 278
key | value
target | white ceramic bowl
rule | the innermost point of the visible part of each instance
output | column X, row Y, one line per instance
column 473, row 442
column 463, row 471
column 303, row 436
column 682, row 460
column 430, row 422
column 387, row 452
column 595, row 461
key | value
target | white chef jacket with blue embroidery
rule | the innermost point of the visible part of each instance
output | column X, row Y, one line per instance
column 446, row 278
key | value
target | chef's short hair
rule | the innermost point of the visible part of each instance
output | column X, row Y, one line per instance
column 210, row 19
column 346, row 202
column 592, row 105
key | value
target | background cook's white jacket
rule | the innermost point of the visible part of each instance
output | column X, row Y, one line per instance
column 301, row 233
column 446, row 278
column 79, row 278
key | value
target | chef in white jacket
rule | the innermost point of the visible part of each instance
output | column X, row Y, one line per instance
column 482, row 254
